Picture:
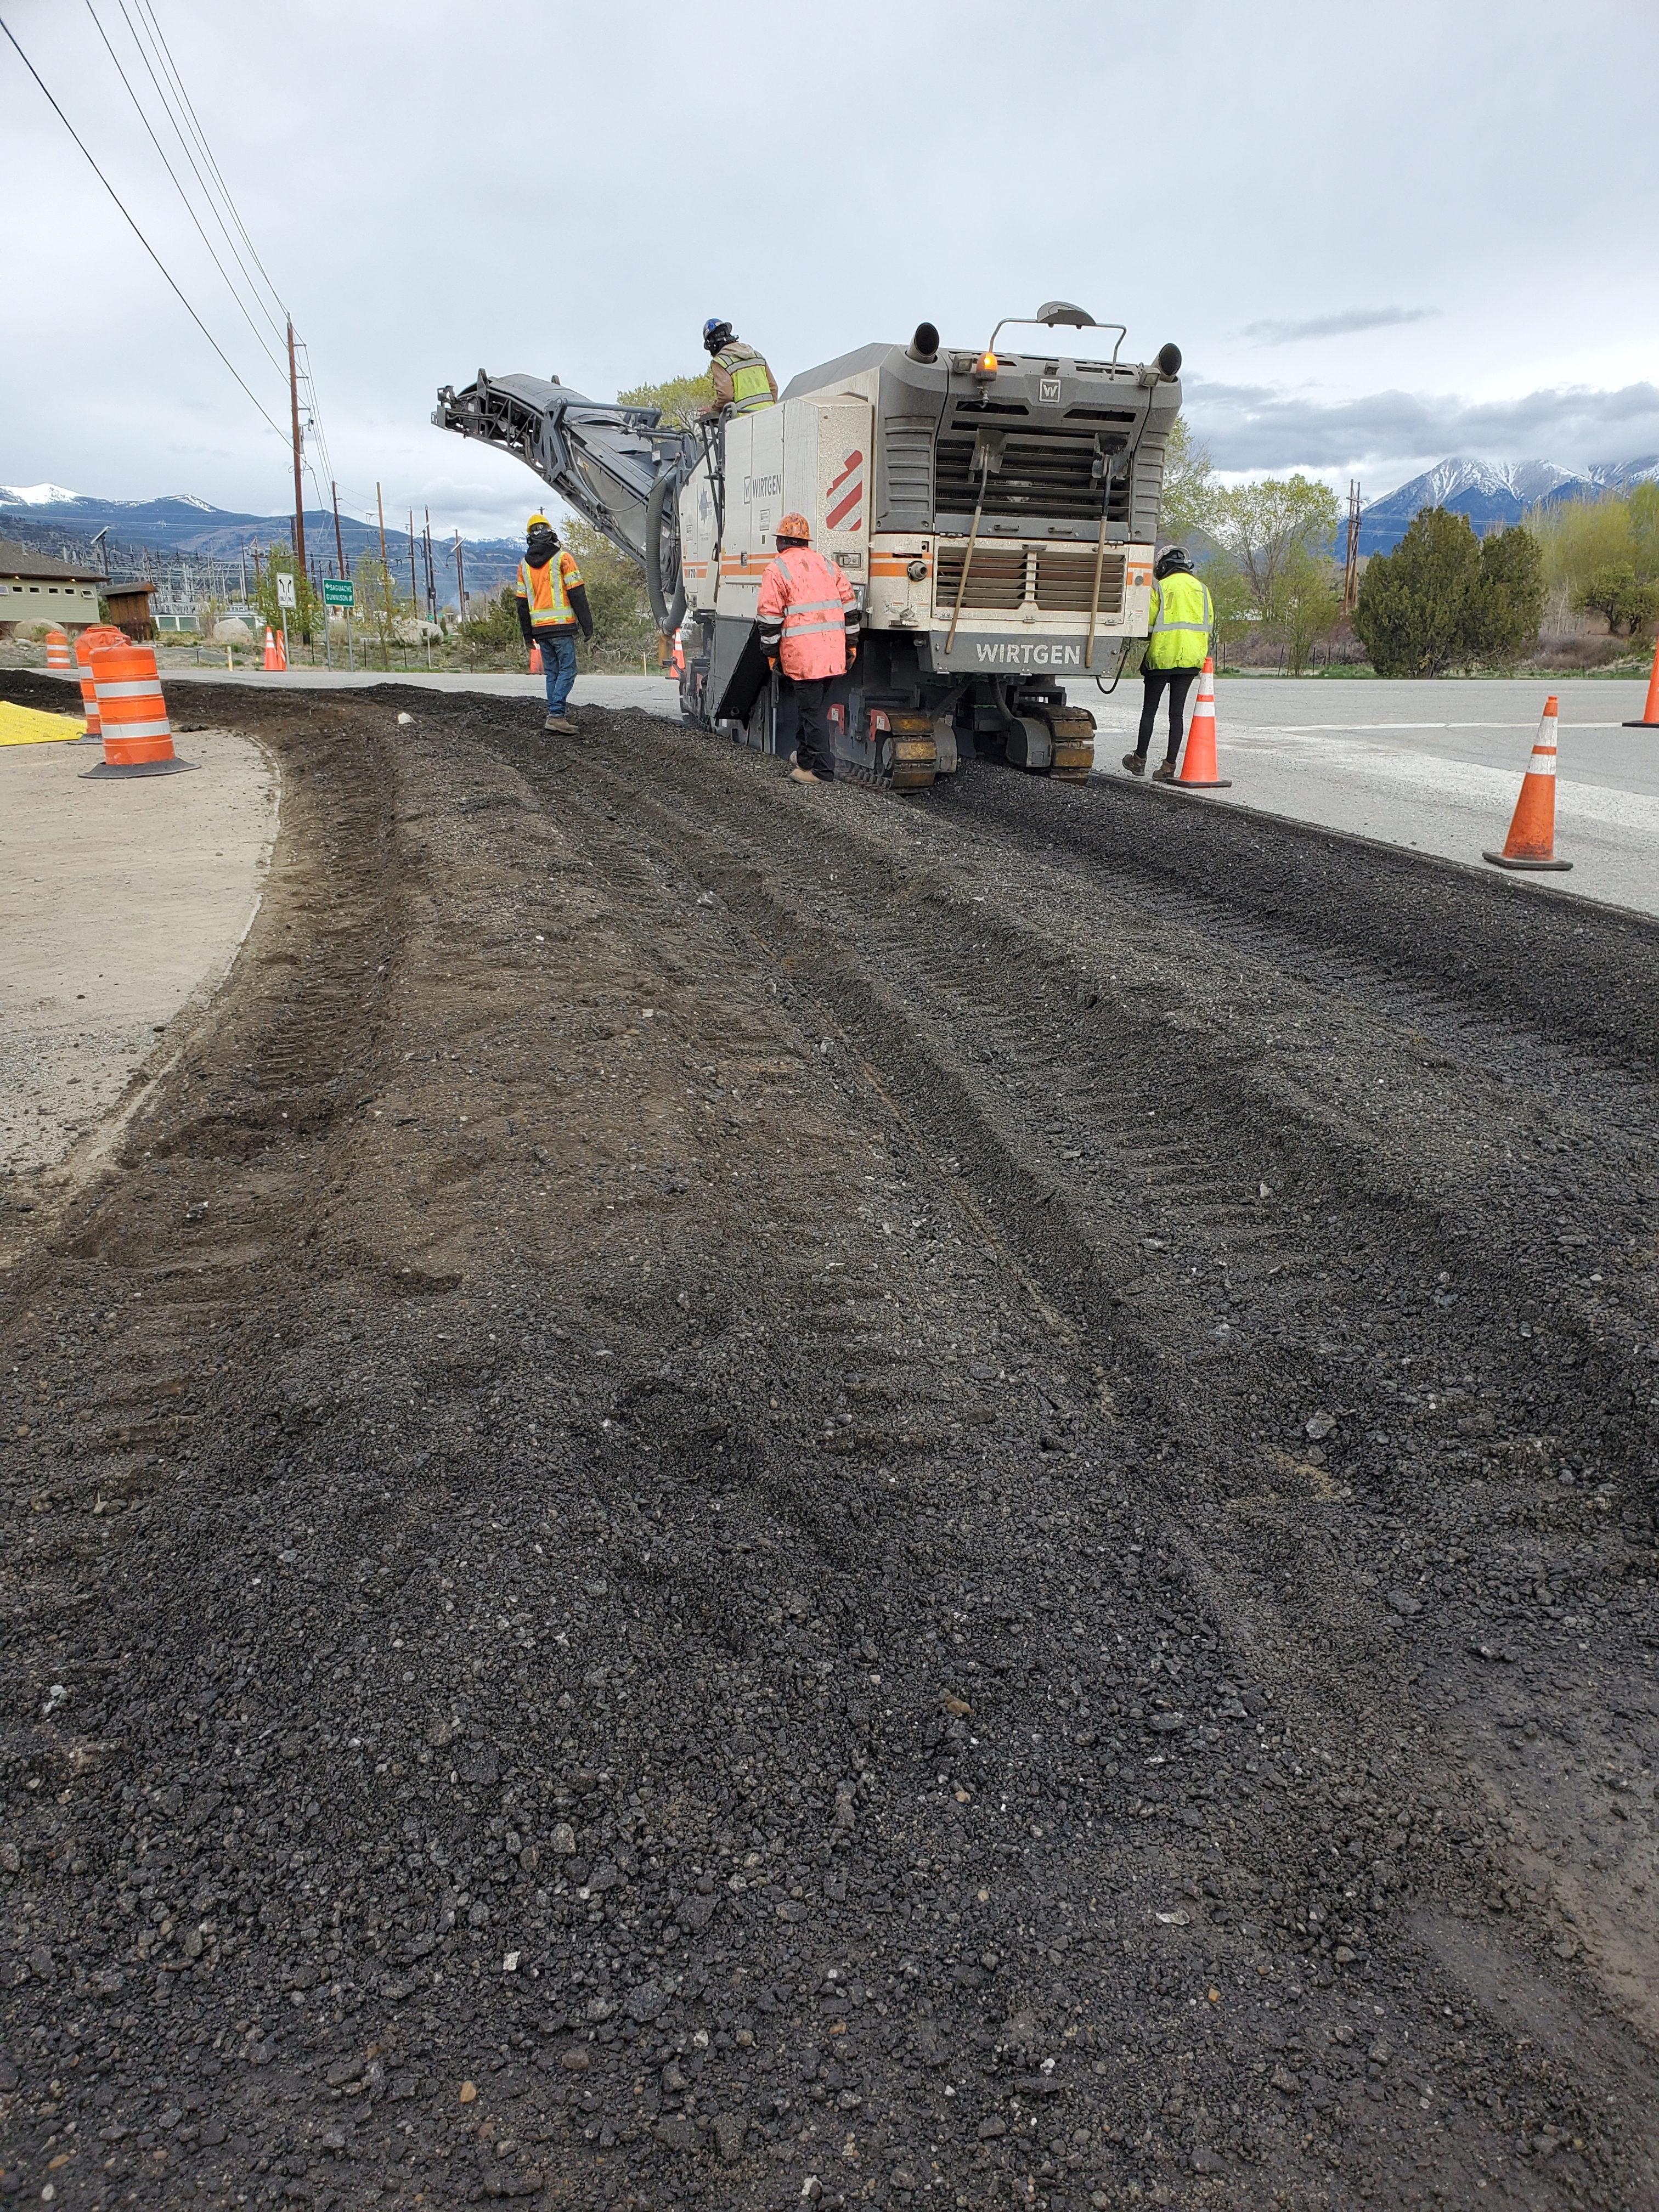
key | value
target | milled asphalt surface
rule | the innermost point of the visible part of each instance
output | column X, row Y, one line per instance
column 744, row 1498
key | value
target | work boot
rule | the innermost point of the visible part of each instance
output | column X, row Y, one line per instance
column 798, row 774
column 1135, row 763
column 1165, row 772
column 551, row 723
column 561, row 723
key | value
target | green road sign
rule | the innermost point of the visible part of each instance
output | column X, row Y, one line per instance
column 339, row 591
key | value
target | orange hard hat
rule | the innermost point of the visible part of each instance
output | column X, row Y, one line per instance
column 796, row 526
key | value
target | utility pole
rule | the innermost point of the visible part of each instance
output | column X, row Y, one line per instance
column 339, row 548
column 380, row 506
column 431, row 573
column 299, row 495
column 460, row 577
column 414, row 588
column 1350, row 567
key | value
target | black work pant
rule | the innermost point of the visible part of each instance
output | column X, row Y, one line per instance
column 803, row 706
column 1178, row 682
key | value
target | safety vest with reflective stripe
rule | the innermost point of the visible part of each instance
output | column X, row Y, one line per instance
column 1183, row 616
column 547, row 590
column 804, row 600
column 751, row 384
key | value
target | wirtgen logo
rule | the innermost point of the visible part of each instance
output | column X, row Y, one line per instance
column 1021, row 653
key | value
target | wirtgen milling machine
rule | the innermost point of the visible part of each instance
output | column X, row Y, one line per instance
column 994, row 512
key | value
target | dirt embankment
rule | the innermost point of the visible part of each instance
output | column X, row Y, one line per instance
column 745, row 1496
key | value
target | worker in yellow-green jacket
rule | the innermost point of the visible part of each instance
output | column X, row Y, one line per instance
column 1183, row 616
column 743, row 381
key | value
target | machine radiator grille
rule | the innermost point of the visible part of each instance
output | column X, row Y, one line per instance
column 1047, row 471
column 996, row 578
column 1064, row 581
column 907, row 473
column 1004, row 578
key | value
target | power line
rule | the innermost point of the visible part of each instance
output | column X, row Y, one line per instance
column 178, row 186
column 171, row 68
column 133, row 226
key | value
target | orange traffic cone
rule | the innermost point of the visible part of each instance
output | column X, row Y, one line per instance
column 273, row 659
column 90, row 642
column 137, row 735
column 1531, row 841
column 536, row 661
column 1649, row 713
column 58, row 650
column 1198, row 766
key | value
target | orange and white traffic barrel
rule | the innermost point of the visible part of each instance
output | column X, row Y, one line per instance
column 58, row 650
column 137, row 735
column 90, row 642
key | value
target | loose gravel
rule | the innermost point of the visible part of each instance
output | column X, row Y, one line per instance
column 745, row 1496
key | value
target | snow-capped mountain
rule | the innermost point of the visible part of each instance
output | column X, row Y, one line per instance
column 36, row 496
column 1492, row 494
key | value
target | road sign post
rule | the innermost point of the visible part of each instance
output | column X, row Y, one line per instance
column 285, row 599
column 341, row 592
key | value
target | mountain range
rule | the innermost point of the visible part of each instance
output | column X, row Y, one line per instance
column 143, row 533
column 1492, row 494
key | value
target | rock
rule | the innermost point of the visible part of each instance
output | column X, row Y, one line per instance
column 42, row 1965
column 477, row 1914
column 1166, row 1723
column 1320, row 1427
column 988, row 2130
column 575, row 2061
column 645, row 2003
column 1207, row 2162
column 1404, row 1603
column 730, row 2129
column 496, row 2181
column 11, row 1858
column 213, row 2132
column 1285, row 2081
column 603, row 1878
column 694, row 1913
column 562, row 1841
column 676, row 2134
column 8, row 2076
column 469, row 2092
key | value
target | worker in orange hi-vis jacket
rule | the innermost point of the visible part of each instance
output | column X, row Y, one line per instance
column 809, row 630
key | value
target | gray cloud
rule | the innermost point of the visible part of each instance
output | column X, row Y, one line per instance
column 1339, row 325
column 1256, row 426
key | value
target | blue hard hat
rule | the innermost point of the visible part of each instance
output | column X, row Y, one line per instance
column 713, row 324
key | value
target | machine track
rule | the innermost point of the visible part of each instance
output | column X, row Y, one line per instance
column 1015, row 1429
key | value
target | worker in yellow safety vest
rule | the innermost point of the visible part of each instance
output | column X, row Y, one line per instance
column 743, row 381
column 1183, row 616
column 552, row 601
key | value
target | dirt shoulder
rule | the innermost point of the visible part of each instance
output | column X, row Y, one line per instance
column 745, row 1495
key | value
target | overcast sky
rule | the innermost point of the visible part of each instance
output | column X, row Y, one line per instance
column 1380, row 236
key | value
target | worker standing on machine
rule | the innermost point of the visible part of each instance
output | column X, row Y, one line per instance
column 743, row 381
column 1182, row 617
column 809, row 630
column 552, row 601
